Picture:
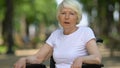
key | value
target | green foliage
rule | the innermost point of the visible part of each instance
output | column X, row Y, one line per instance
column 3, row 49
column 30, row 11
column 88, row 4
column 41, row 10
column 35, row 11
column 44, row 10
column 103, row 24
column 2, row 9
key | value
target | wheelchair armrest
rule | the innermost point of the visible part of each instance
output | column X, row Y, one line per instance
column 92, row 65
column 99, row 40
column 83, row 66
column 36, row 66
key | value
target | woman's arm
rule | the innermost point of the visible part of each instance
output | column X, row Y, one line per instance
column 41, row 55
column 37, row 58
column 94, row 56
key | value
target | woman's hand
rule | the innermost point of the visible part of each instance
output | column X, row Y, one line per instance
column 21, row 63
column 77, row 63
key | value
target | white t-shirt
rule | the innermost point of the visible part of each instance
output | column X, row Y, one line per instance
column 68, row 47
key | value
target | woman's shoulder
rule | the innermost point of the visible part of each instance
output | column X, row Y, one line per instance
column 58, row 30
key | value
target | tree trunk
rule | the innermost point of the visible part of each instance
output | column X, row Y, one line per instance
column 7, row 24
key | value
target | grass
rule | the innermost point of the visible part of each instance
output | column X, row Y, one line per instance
column 3, row 49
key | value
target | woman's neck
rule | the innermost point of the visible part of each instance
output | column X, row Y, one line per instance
column 70, row 30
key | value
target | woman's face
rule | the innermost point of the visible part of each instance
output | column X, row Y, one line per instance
column 67, row 18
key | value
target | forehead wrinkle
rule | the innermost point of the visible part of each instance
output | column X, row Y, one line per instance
column 67, row 9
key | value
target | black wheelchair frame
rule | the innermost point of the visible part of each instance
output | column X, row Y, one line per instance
column 52, row 62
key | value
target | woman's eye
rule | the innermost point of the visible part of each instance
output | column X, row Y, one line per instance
column 62, row 13
column 72, row 13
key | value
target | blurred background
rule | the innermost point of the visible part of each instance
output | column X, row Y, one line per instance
column 26, row 24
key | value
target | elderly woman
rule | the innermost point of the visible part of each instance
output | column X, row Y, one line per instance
column 71, row 46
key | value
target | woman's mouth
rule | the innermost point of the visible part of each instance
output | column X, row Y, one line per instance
column 67, row 22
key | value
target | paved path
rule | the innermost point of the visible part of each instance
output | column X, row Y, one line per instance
column 7, row 61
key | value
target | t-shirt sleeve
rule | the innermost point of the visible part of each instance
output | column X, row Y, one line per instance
column 51, row 39
column 89, row 34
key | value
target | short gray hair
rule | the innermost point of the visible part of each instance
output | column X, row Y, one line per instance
column 72, row 4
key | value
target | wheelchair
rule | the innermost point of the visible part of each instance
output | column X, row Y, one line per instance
column 52, row 62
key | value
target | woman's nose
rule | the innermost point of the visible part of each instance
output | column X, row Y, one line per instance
column 67, row 16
